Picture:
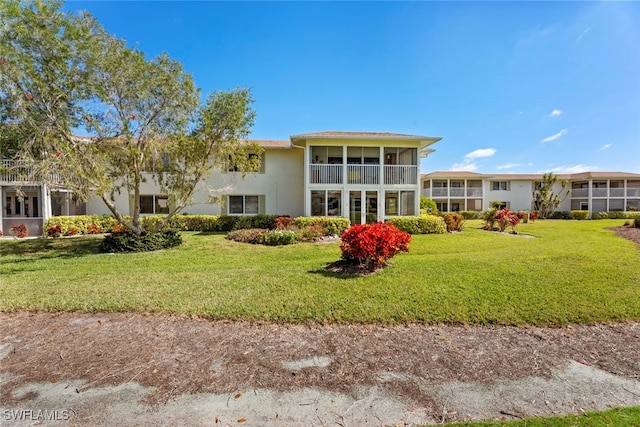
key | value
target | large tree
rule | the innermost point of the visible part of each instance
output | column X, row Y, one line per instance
column 62, row 72
column 545, row 199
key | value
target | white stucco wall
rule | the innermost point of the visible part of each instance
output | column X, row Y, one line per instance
column 282, row 184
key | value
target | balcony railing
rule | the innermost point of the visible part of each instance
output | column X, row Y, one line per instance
column 580, row 192
column 633, row 192
column 400, row 174
column 363, row 174
column 474, row 192
column 602, row 192
column 599, row 192
column 13, row 171
column 616, row 192
column 325, row 174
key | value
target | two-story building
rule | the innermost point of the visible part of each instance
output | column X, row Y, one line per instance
column 591, row 191
column 363, row 176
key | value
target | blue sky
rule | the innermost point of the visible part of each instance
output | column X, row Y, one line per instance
column 510, row 87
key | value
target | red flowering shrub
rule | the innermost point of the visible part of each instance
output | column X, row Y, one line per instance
column 20, row 231
column 94, row 229
column 283, row 222
column 533, row 216
column 1, row 233
column 372, row 245
column 505, row 218
column 72, row 231
column 54, row 231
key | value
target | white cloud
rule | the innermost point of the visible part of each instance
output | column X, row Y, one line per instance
column 482, row 152
column 554, row 113
column 572, row 169
column 556, row 136
column 605, row 146
column 512, row 165
column 468, row 164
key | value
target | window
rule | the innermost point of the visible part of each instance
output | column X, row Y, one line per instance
column 244, row 205
column 499, row 186
column 326, row 203
column 399, row 203
column 154, row 204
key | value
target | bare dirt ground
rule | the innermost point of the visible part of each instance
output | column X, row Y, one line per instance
column 135, row 369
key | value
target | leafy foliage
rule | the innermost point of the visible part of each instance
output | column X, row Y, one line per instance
column 428, row 206
column 454, row 221
column 19, row 231
column 331, row 225
column 61, row 72
column 280, row 237
column 254, row 236
column 578, row 214
column 127, row 241
column 545, row 199
column 505, row 218
column 372, row 245
column 423, row 224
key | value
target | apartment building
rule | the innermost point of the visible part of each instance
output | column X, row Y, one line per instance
column 364, row 176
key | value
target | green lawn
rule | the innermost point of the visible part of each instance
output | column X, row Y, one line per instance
column 572, row 272
column 619, row 417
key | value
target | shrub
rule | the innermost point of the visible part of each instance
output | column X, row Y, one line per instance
column 283, row 222
column 254, row 236
column 127, row 241
column 310, row 234
column 423, row 224
column 579, row 215
column 371, row 245
column 1, row 233
column 600, row 215
column 54, row 231
column 428, row 205
column 470, row 214
column 632, row 215
column 533, row 216
column 19, row 231
column 94, row 229
column 454, row 222
column 489, row 218
column 505, row 218
column 331, row 225
column 71, row 231
column 560, row 215
column 280, row 237
column 636, row 222
column 201, row 222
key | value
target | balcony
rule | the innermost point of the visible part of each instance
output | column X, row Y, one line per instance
column 400, row 174
column 16, row 172
column 470, row 192
column 363, row 174
column 325, row 174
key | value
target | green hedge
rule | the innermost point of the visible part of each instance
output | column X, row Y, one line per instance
column 470, row 214
column 579, row 214
column 423, row 224
column 331, row 225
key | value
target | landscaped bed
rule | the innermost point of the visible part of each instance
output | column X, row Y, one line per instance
column 572, row 272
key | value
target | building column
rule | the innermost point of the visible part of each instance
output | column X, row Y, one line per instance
column 590, row 198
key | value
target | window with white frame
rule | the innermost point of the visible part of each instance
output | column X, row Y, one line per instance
column 499, row 185
column 326, row 203
column 244, row 205
column 154, row 204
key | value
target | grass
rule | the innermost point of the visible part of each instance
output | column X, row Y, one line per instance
column 619, row 417
column 572, row 272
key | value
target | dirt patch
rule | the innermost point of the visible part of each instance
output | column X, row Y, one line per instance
column 163, row 359
column 629, row 233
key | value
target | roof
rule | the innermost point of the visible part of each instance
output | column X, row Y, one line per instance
column 270, row 143
column 529, row 177
column 351, row 134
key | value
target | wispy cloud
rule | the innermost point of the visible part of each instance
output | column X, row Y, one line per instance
column 512, row 165
column 554, row 113
column 582, row 35
column 604, row 147
column 571, row 169
column 555, row 136
column 482, row 152
column 468, row 164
